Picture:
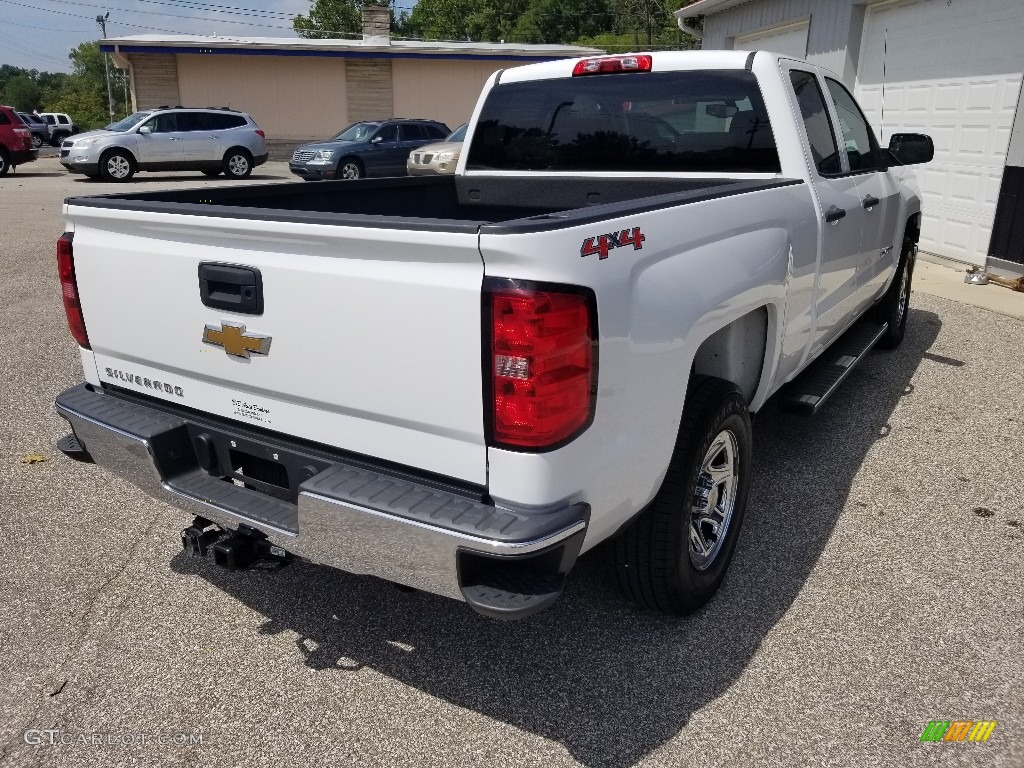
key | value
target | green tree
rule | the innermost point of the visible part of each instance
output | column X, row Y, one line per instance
column 22, row 92
column 476, row 20
column 335, row 19
column 83, row 93
column 563, row 21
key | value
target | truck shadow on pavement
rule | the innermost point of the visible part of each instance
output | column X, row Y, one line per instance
column 609, row 682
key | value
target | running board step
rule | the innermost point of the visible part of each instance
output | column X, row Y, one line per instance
column 805, row 395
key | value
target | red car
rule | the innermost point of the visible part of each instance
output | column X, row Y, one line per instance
column 15, row 141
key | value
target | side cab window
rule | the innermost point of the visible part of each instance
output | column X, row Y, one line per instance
column 412, row 132
column 858, row 139
column 387, row 134
column 195, row 121
column 165, row 123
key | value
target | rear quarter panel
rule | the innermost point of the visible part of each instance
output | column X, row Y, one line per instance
column 700, row 267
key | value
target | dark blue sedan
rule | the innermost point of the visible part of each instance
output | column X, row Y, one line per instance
column 372, row 148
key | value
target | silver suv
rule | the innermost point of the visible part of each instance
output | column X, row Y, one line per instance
column 212, row 140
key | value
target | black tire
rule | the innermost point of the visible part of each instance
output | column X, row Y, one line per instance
column 37, row 141
column 212, row 173
column 117, row 165
column 5, row 162
column 656, row 560
column 237, row 163
column 58, row 138
column 350, row 169
column 894, row 308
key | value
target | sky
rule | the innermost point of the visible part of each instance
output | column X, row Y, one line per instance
column 39, row 34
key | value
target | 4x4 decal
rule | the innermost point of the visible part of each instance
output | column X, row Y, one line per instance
column 603, row 244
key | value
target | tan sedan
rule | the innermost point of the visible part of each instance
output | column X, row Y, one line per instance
column 437, row 158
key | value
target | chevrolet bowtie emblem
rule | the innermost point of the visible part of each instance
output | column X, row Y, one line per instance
column 236, row 341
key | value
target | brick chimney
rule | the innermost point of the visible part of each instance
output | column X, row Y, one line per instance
column 376, row 25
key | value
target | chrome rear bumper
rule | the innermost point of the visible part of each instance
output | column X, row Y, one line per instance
column 346, row 513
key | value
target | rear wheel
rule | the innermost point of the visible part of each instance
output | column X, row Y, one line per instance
column 58, row 138
column 5, row 162
column 37, row 141
column 675, row 554
column 350, row 169
column 237, row 163
column 117, row 165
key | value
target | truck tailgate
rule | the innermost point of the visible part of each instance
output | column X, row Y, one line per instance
column 374, row 334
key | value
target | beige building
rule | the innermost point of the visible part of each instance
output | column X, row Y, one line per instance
column 300, row 90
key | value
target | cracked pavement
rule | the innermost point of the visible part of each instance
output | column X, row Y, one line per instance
column 877, row 585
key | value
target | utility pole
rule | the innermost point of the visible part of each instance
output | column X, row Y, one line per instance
column 102, row 21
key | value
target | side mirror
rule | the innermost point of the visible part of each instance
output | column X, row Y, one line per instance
column 146, row 128
column 911, row 148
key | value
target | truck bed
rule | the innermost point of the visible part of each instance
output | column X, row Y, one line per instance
column 494, row 205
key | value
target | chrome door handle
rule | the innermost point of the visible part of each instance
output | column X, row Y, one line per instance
column 834, row 214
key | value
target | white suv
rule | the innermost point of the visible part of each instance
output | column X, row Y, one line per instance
column 61, row 126
column 212, row 140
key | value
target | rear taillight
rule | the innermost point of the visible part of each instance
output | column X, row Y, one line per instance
column 260, row 133
column 69, row 289
column 542, row 363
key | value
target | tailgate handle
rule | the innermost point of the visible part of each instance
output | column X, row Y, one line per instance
column 236, row 289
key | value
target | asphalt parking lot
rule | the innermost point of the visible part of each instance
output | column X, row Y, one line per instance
column 877, row 586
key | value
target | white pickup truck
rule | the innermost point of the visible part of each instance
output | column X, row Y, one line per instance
column 461, row 383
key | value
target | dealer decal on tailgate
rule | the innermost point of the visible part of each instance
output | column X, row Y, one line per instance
column 603, row 244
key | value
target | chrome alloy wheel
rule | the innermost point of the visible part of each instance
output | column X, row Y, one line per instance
column 350, row 170
column 118, row 167
column 714, row 499
column 238, row 165
column 901, row 308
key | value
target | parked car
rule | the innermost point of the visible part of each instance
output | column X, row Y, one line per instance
column 213, row 140
column 437, row 158
column 61, row 126
column 39, row 127
column 372, row 148
column 15, row 141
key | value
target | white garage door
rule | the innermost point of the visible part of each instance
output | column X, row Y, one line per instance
column 953, row 71
column 790, row 40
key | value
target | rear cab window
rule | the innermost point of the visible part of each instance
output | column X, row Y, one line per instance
column 704, row 122
column 817, row 122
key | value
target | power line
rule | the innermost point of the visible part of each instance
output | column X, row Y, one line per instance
column 159, row 13
column 8, row 22
column 14, row 45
